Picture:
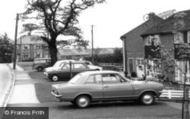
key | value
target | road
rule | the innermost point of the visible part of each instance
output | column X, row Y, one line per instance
column 32, row 89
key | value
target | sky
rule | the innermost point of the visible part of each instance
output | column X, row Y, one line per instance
column 110, row 20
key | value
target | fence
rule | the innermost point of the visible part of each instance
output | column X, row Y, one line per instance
column 172, row 94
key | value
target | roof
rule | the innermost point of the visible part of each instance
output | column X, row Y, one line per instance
column 136, row 32
column 167, row 25
column 26, row 39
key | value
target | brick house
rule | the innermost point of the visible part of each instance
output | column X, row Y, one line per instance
column 167, row 33
column 30, row 47
column 133, row 48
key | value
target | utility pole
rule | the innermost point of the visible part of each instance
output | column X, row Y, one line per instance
column 185, row 104
column 92, row 44
column 15, row 43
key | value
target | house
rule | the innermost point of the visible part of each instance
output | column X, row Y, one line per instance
column 30, row 47
column 170, row 32
column 133, row 46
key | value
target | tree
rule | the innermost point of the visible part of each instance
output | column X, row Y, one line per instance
column 6, row 48
column 55, row 18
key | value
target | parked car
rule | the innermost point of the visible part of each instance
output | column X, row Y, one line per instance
column 96, row 86
column 92, row 66
column 40, row 64
column 58, row 65
column 67, row 70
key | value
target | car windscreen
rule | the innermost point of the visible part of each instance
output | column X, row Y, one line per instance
column 57, row 64
column 75, row 78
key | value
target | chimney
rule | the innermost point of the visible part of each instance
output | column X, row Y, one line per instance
column 151, row 16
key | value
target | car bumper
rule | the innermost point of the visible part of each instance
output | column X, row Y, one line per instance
column 56, row 95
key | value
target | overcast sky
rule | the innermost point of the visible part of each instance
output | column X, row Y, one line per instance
column 111, row 19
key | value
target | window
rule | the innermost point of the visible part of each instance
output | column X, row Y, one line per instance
column 25, row 47
column 66, row 66
column 178, row 38
column 79, row 66
column 94, row 79
column 188, row 37
column 112, row 78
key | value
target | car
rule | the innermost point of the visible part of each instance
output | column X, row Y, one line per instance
column 67, row 70
column 40, row 64
column 100, row 86
column 92, row 66
column 57, row 65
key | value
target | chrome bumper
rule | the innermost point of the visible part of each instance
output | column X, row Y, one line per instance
column 56, row 95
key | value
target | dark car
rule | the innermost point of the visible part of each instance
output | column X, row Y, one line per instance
column 40, row 64
column 67, row 70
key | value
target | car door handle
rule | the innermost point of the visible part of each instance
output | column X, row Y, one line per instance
column 106, row 86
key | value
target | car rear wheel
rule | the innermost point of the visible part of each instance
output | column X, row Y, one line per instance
column 147, row 99
column 40, row 68
column 55, row 77
column 82, row 101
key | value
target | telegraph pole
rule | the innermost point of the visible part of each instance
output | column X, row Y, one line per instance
column 15, row 43
column 92, row 44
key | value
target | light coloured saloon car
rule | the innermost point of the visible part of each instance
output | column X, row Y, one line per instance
column 99, row 86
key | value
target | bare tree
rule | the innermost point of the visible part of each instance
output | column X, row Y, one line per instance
column 56, row 17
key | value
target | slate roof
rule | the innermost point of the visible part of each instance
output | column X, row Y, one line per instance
column 26, row 39
column 167, row 25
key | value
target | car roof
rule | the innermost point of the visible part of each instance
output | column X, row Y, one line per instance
column 66, row 60
column 98, row 72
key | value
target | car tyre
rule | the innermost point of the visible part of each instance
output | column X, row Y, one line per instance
column 55, row 77
column 40, row 68
column 82, row 101
column 147, row 98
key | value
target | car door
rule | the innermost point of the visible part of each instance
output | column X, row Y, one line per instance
column 115, row 86
column 93, row 85
column 64, row 71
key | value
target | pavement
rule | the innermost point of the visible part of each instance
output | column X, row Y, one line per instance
column 6, row 83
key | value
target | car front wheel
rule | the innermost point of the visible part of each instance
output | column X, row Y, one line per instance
column 55, row 78
column 82, row 101
column 147, row 99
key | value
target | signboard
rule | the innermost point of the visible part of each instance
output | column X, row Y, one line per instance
column 182, row 51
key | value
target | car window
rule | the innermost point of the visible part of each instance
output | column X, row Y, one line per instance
column 112, row 78
column 48, row 61
column 65, row 66
column 75, row 78
column 79, row 66
column 94, row 79
column 40, row 61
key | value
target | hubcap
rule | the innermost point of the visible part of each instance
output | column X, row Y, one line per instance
column 55, row 78
column 147, row 99
column 83, row 102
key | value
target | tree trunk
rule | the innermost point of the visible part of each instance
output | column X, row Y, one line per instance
column 53, row 53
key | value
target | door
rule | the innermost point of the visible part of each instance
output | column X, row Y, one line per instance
column 94, row 86
column 116, row 86
column 64, row 72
